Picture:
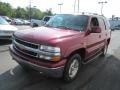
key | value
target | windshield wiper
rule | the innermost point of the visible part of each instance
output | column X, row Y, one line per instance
column 62, row 27
column 65, row 27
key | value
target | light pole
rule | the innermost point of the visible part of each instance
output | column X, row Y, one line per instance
column 102, row 3
column 30, row 10
column 60, row 4
column 77, row 6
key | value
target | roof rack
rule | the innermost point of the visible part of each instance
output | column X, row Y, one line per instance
column 88, row 13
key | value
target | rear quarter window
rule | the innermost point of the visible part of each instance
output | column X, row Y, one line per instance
column 102, row 23
column 107, row 24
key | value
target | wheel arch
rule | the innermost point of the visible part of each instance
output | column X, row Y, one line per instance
column 81, row 51
column 35, row 25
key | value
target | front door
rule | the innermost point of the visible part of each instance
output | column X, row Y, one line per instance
column 92, row 39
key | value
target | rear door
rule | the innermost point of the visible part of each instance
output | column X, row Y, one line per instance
column 103, row 33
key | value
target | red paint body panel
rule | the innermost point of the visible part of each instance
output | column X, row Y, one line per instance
column 44, row 34
column 37, row 61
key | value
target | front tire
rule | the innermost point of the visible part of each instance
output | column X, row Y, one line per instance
column 35, row 25
column 72, row 68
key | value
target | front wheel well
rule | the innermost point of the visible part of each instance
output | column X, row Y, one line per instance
column 80, row 51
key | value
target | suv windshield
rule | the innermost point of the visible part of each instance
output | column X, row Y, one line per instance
column 2, row 21
column 68, row 21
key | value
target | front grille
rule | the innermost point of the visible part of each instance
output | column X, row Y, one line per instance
column 25, row 43
column 25, row 47
column 30, row 53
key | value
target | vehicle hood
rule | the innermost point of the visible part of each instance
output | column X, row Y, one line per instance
column 43, row 34
column 8, row 28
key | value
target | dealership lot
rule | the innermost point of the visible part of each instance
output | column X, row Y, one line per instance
column 102, row 74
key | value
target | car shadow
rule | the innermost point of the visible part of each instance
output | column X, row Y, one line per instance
column 90, row 74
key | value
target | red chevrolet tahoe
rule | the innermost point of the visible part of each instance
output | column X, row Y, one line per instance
column 60, row 47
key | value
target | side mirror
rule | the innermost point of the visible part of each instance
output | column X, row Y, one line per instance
column 96, row 30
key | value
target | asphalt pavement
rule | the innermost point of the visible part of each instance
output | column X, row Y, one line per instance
column 101, row 74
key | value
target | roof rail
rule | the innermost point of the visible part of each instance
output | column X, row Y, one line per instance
column 88, row 13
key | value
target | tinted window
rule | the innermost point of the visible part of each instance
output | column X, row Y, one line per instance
column 102, row 24
column 46, row 19
column 3, row 21
column 107, row 24
column 94, row 22
column 73, row 22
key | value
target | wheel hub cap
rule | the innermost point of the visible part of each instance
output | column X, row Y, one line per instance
column 73, row 68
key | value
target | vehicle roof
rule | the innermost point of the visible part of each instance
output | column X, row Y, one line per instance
column 89, row 15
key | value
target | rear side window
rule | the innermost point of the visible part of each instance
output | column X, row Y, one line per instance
column 102, row 24
column 94, row 22
column 107, row 24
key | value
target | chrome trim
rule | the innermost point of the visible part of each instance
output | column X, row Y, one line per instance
column 47, row 53
column 34, row 50
column 25, row 41
column 25, row 53
column 25, row 47
column 31, row 49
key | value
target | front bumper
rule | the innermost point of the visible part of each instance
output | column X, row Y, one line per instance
column 56, row 71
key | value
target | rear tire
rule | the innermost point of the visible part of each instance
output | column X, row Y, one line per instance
column 35, row 25
column 72, row 68
column 104, row 50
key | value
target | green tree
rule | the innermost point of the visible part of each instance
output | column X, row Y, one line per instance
column 20, row 13
column 48, row 12
column 5, row 9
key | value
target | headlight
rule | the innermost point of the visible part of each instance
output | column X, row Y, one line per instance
column 49, row 53
column 49, row 48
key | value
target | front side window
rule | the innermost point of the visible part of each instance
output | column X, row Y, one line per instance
column 67, row 21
